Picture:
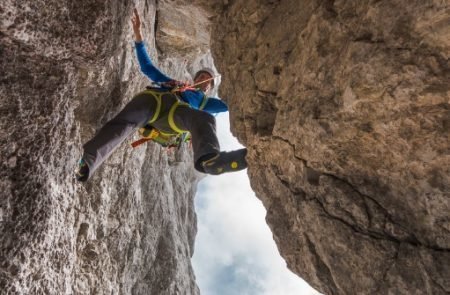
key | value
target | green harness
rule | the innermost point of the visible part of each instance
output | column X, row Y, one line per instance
column 171, row 135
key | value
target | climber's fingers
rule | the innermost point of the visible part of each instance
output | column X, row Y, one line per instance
column 136, row 21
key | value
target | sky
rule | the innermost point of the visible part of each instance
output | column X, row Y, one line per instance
column 234, row 249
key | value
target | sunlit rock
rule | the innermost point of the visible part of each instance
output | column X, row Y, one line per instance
column 344, row 107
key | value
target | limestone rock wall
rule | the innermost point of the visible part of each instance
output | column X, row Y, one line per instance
column 66, row 68
column 344, row 107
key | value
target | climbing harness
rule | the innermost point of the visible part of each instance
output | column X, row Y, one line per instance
column 172, row 138
column 177, row 136
column 165, row 139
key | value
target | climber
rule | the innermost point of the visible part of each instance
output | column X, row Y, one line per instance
column 190, row 111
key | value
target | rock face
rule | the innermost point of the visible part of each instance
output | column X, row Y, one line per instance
column 67, row 68
column 344, row 107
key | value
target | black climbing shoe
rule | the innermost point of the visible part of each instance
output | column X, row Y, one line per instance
column 82, row 172
column 226, row 162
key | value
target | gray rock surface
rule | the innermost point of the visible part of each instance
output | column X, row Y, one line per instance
column 66, row 68
column 344, row 107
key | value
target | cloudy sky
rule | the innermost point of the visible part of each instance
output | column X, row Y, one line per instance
column 234, row 249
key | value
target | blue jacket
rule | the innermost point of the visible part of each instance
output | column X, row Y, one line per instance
column 193, row 97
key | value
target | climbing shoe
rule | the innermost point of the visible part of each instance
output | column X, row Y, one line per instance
column 225, row 162
column 82, row 172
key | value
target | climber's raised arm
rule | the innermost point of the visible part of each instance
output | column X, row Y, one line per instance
column 136, row 22
column 147, row 67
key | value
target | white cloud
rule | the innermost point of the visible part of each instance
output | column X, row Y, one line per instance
column 234, row 251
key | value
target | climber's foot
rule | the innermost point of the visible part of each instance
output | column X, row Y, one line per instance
column 82, row 172
column 225, row 162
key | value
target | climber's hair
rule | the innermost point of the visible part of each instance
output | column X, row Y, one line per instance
column 207, row 71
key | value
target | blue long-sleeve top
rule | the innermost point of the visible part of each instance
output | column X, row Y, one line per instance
column 193, row 97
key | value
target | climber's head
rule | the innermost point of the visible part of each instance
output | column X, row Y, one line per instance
column 203, row 75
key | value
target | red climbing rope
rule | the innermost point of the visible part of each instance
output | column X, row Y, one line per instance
column 192, row 86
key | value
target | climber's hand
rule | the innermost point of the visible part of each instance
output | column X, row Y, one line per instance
column 136, row 22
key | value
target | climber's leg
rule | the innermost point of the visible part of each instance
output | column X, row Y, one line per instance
column 207, row 155
column 224, row 162
column 135, row 114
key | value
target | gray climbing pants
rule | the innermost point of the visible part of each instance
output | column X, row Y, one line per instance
column 137, row 113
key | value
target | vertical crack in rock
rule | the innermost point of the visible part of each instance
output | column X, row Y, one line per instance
column 386, row 272
column 155, row 28
column 322, row 269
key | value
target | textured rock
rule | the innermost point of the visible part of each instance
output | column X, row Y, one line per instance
column 68, row 67
column 183, row 30
column 344, row 106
